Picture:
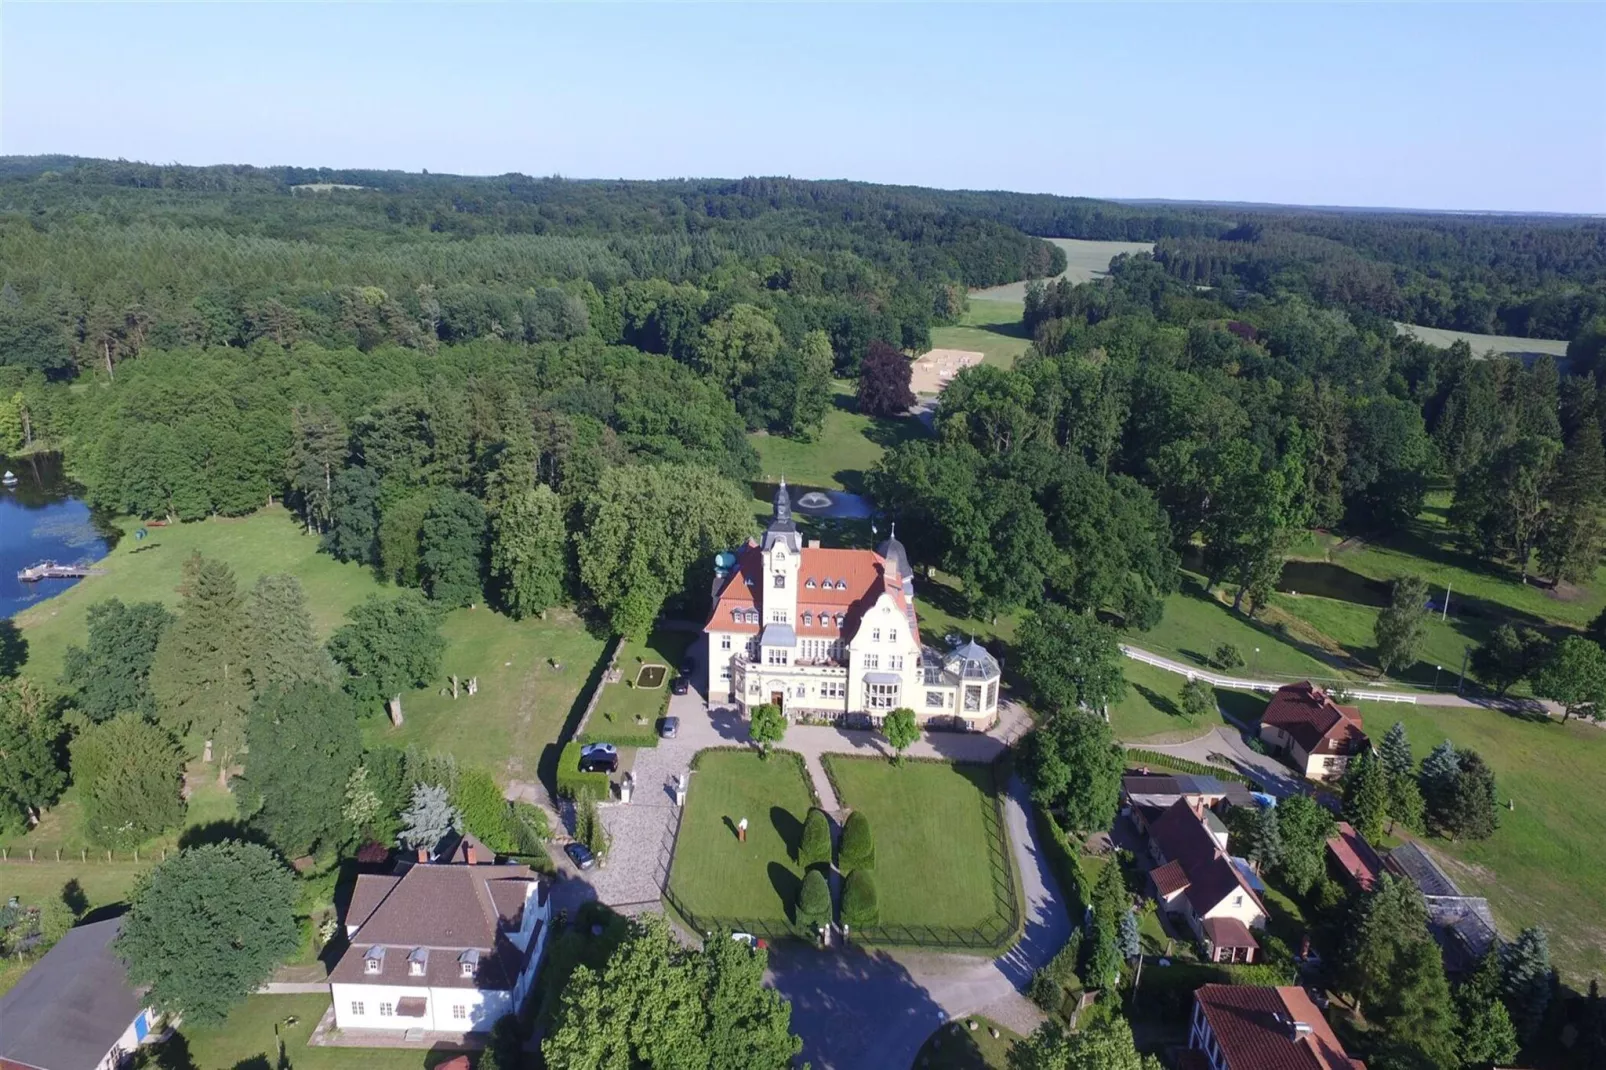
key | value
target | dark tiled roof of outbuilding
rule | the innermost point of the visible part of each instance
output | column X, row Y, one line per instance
column 1228, row 932
column 1253, row 1026
column 70, row 1008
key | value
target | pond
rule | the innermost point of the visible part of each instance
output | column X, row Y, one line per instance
column 820, row 501
column 1320, row 578
column 41, row 520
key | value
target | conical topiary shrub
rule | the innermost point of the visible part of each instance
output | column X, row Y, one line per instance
column 858, row 844
column 861, row 906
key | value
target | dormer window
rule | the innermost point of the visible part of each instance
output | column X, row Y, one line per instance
column 469, row 962
column 839, row 619
column 736, row 615
column 808, row 620
column 373, row 961
column 752, row 616
column 841, row 585
column 418, row 962
column 809, row 583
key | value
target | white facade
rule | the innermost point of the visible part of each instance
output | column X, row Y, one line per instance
column 447, row 1010
column 833, row 634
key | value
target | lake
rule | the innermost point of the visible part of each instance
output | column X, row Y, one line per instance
column 41, row 520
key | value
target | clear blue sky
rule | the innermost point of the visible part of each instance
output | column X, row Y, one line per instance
column 1435, row 106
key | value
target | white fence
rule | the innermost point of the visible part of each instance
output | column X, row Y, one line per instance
column 1217, row 680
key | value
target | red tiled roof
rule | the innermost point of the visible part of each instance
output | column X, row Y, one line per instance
column 1169, row 878
column 1355, row 856
column 1254, row 1027
column 1315, row 721
column 1228, row 932
column 865, row 572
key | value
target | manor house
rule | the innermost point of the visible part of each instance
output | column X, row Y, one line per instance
column 831, row 634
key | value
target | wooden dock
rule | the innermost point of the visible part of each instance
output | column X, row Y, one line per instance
column 49, row 570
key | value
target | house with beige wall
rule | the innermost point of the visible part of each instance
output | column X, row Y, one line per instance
column 1311, row 732
column 832, row 635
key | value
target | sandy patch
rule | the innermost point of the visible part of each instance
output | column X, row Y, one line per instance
column 936, row 366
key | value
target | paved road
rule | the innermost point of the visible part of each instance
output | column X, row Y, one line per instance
column 1225, row 745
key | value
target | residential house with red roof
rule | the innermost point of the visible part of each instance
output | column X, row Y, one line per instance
column 1195, row 880
column 1313, row 733
column 445, row 947
column 1251, row 1027
column 832, row 635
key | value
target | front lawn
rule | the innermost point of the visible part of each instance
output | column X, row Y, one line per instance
column 246, row 1039
column 748, row 886
column 1546, row 863
column 942, row 858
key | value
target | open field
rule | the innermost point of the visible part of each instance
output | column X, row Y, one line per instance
column 717, row 876
column 931, row 838
column 1084, row 262
column 1483, row 344
column 1151, row 712
column 991, row 328
column 847, row 447
column 1546, row 864
column 269, row 540
column 247, row 1040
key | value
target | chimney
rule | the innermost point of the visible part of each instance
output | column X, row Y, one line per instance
column 1298, row 1030
column 471, row 855
column 423, row 855
column 814, row 544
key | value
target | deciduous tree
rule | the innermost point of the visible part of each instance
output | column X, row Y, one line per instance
column 1070, row 660
column 1510, row 655
column 901, row 730
column 1304, row 828
column 207, row 927
column 1575, row 676
column 303, row 745
column 884, row 377
column 353, row 531
column 766, row 726
column 129, row 773
column 112, row 674
column 1198, row 698
column 33, row 752
column 528, row 548
column 388, row 646
column 451, row 543
column 1073, row 765
column 1107, row 1044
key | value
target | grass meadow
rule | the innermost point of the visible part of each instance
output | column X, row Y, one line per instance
column 1084, row 261
column 845, row 449
column 991, row 328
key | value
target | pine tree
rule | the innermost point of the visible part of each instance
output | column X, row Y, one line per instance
column 1525, row 980
column 1570, row 547
column 1131, row 942
column 318, row 448
column 283, row 647
column 430, row 818
column 200, row 672
column 1484, row 1033
column 1471, row 810
column 1437, row 779
column 1395, row 754
column 1402, row 625
column 1366, row 796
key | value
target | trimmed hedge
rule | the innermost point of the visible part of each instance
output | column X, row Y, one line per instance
column 861, row 906
column 571, row 782
column 1062, row 859
column 814, row 846
column 857, row 850
column 633, row 735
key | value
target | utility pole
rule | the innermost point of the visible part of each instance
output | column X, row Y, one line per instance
column 1461, row 682
column 1446, row 614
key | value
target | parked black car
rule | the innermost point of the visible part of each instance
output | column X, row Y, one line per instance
column 599, row 758
column 580, row 855
column 679, row 685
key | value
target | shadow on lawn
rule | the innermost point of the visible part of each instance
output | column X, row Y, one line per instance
column 789, row 828
column 1158, row 701
column 786, row 885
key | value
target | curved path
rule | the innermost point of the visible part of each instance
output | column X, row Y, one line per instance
column 1363, row 694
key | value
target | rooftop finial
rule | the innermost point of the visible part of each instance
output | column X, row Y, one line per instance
column 892, row 529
